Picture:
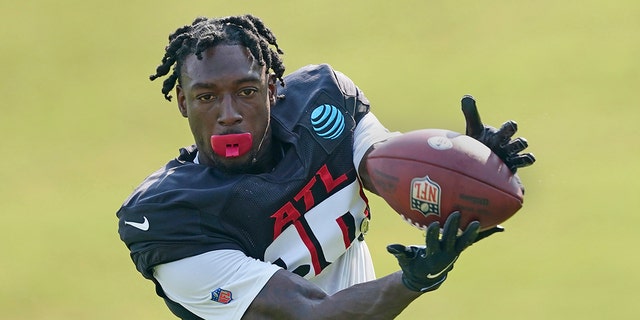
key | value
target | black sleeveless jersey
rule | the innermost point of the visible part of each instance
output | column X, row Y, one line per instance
column 301, row 216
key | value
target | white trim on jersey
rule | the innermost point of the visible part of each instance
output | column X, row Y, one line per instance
column 193, row 282
column 353, row 267
column 368, row 132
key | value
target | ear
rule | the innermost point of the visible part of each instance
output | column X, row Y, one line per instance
column 273, row 88
column 182, row 102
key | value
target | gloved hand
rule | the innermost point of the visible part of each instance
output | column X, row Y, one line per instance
column 424, row 268
column 485, row 233
column 498, row 140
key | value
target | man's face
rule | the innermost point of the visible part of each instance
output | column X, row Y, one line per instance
column 226, row 92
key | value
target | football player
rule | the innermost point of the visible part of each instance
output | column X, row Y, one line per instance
column 264, row 216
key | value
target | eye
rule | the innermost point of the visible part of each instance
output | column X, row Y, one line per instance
column 247, row 92
column 206, row 97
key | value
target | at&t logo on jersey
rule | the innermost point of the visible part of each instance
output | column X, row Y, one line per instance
column 425, row 196
column 327, row 121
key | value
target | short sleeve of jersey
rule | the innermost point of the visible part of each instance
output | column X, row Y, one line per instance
column 368, row 132
column 219, row 284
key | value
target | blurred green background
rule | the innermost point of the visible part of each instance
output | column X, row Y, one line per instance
column 81, row 126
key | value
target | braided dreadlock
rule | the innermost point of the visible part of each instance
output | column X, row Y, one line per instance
column 204, row 33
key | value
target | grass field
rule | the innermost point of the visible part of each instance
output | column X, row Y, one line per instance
column 81, row 125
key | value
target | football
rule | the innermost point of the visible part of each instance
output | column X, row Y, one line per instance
column 425, row 175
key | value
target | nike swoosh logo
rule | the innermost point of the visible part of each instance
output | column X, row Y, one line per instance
column 433, row 276
column 144, row 225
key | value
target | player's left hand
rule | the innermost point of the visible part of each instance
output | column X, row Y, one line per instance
column 498, row 140
column 425, row 268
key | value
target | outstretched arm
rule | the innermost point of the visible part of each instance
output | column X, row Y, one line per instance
column 424, row 268
column 289, row 296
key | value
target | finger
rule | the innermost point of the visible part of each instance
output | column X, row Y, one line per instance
column 432, row 238
column 450, row 232
column 498, row 138
column 516, row 146
column 472, row 117
column 507, row 130
column 488, row 232
column 399, row 251
column 468, row 237
column 521, row 161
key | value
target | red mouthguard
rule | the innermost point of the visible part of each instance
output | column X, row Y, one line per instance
column 231, row 145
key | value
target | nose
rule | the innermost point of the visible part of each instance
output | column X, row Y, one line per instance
column 228, row 115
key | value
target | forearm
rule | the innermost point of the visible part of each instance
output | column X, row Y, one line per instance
column 290, row 297
column 384, row 298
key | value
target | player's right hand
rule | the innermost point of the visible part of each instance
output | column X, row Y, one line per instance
column 424, row 268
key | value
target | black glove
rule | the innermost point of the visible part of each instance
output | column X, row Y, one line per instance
column 424, row 268
column 485, row 233
column 498, row 140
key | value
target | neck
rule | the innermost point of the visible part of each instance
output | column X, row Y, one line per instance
column 267, row 157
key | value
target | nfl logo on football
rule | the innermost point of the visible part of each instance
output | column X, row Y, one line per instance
column 425, row 196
